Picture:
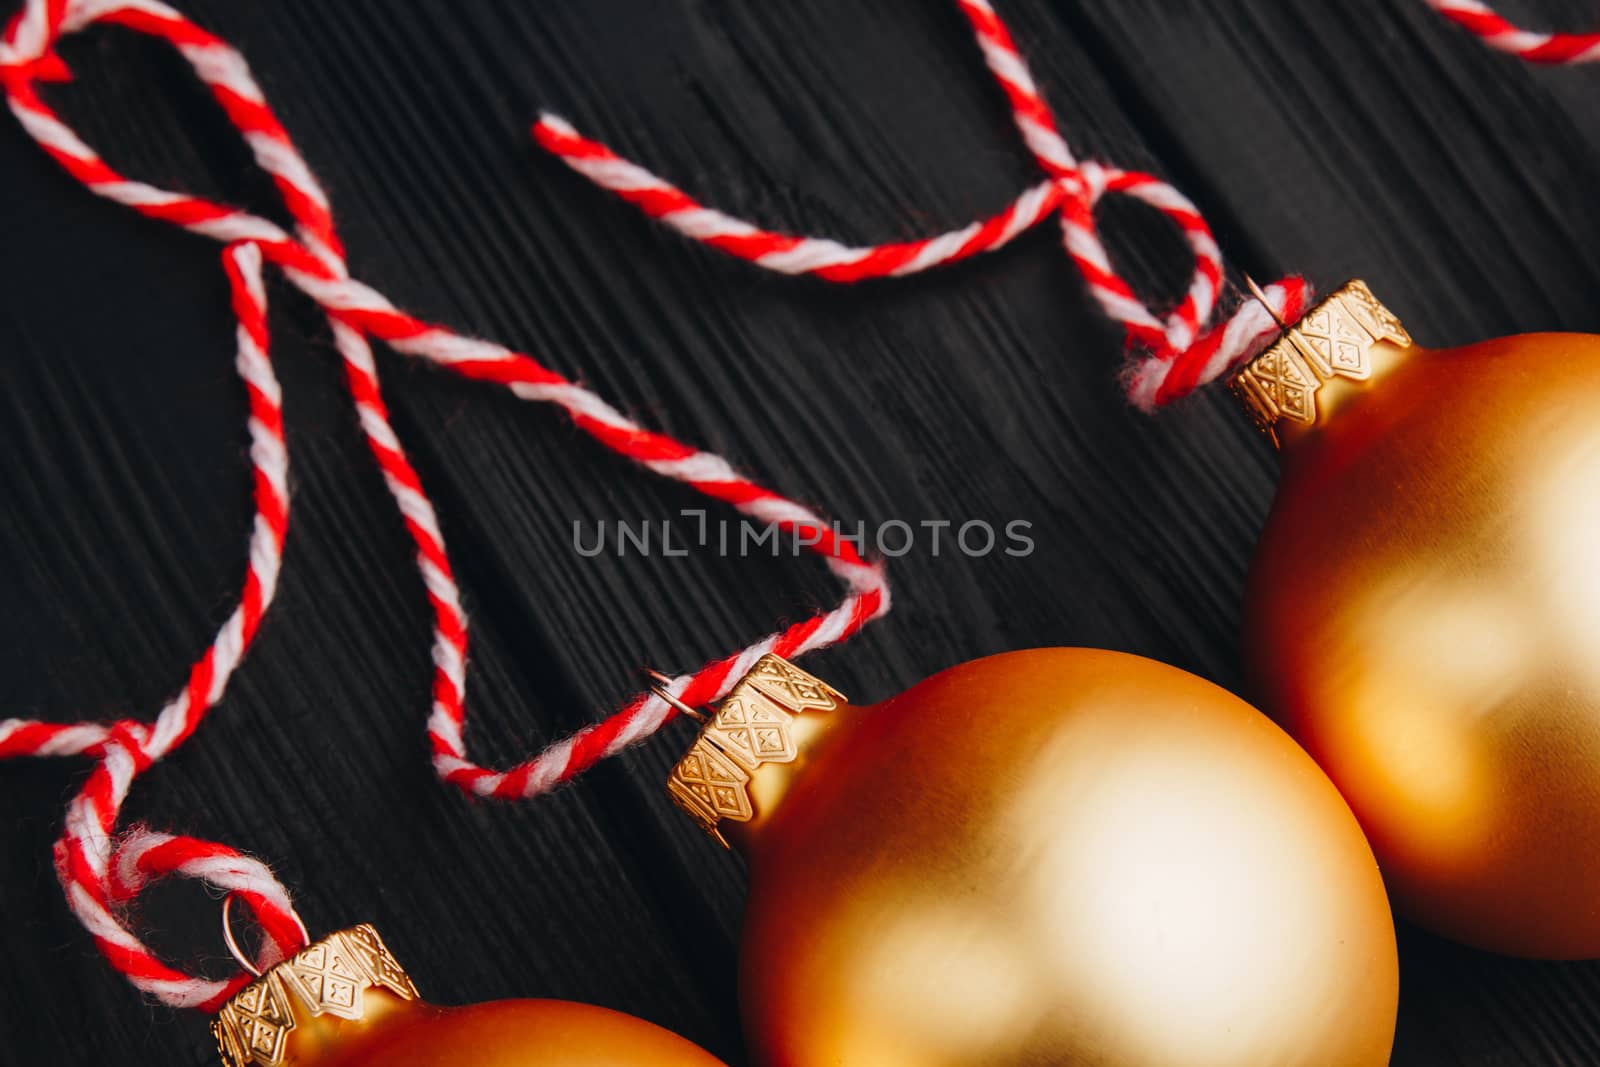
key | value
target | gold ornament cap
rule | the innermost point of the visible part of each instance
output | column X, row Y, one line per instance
column 754, row 726
column 1335, row 339
column 329, row 977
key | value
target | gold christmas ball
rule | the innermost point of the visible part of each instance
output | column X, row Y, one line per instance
column 1423, row 613
column 345, row 1002
column 1059, row 856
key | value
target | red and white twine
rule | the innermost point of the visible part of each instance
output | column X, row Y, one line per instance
column 1498, row 33
column 100, row 874
column 1178, row 353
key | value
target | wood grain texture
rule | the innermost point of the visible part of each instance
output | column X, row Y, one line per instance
column 1362, row 137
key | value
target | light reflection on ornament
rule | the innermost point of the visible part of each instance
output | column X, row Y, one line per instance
column 1054, row 856
column 1423, row 614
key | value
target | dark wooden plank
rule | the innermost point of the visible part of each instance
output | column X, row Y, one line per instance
column 1335, row 139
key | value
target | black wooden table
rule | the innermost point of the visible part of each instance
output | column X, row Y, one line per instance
column 1360, row 138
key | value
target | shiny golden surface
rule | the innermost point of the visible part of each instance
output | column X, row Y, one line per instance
column 1424, row 615
column 520, row 1033
column 1063, row 856
column 344, row 1001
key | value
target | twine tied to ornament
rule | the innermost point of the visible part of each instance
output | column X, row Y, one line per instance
column 1178, row 352
column 101, row 874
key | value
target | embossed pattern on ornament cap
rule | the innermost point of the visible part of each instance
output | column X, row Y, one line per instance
column 1333, row 340
column 753, row 726
column 329, row 977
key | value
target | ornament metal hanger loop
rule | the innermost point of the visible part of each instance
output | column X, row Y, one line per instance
column 1261, row 298
column 658, row 686
column 233, row 946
